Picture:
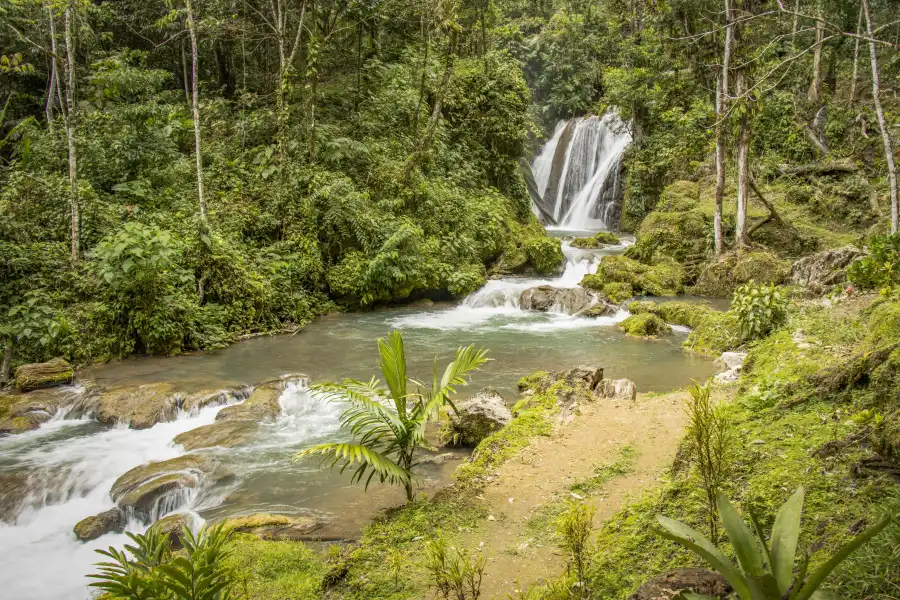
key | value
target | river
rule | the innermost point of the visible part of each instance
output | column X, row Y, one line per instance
column 69, row 464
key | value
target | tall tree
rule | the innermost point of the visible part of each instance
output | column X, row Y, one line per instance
column 882, row 122
column 71, row 123
column 195, row 108
column 721, row 112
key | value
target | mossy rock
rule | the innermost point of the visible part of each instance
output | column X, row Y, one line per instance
column 721, row 277
column 679, row 235
column 221, row 434
column 883, row 325
column 43, row 375
column 639, row 307
column 140, row 407
column 545, row 255
column 274, row 527
column 687, row 314
column 599, row 240
column 664, row 278
column 90, row 528
column 618, row 291
column 885, row 380
column 679, row 196
column 715, row 333
column 644, row 325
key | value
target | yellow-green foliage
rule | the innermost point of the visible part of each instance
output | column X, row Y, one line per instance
column 884, row 323
column 721, row 277
column 644, row 306
column 680, row 312
column 663, row 278
column 545, row 254
column 599, row 240
column 715, row 333
column 680, row 235
column 617, row 291
column 275, row 570
column 644, row 325
column 679, row 196
column 6, row 402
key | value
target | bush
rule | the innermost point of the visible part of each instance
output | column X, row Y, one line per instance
column 545, row 254
column 716, row 333
column 881, row 269
column 760, row 308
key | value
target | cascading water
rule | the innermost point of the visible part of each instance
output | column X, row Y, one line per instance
column 577, row 172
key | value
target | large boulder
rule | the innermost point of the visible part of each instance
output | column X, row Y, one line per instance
column 715, row 333
column 616, row 389
column 670, row 585
column 733, row 362
column 721, row 277
column 197, row 401
column 23, row 412
column 144, row 489
column 821, row 271
column 172, row 527
column 222, row 434
column 475, row 419
column 663, row 277
column 109, row 521
column 140, row 407
column 644, row 325
column 275, row 527
column 546, row 298
column 599, row 240
column 262, row 406
column 43, row 375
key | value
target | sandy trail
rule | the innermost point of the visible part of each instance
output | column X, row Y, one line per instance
column 652, row 426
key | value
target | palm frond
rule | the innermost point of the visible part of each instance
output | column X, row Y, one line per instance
column 392, row 362
column 364, row 399
column 359, row 457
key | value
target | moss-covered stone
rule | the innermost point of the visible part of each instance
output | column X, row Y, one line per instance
column 139, row 407
column 715, row 333
column 679, row 235
column 721, row 277
column 43, row 375
column 679, row 196
column 687, row 314
column 545, row 254
column 274, row 527
column 598, row 240
column 90, row 528
column 618, row 291
column 663, row 278
column 644, row 325
column 644, row 306
column 883, row 323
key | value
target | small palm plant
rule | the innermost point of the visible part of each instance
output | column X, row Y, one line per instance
column 764, row 571
column 389, row 424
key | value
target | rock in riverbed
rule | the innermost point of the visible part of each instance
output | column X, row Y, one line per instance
column 275, row 527
column 823, row 270
column 616, row 389
column 475, row 419
column 140, row 407
column 546, row 298
column 143, row 488
column 43, row 375
column 112, row 520
column 24, row 412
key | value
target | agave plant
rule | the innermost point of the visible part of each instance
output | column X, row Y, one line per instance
column 765, row 571
column 389, row 424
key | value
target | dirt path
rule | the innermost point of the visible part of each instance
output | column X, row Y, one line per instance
column 648, row 430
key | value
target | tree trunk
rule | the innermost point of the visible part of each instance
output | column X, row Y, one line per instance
column 51, row 89
column 7, row 360
column 882, row 123
column 74, row 225
column 185, row 76
column 853, row 77
column 743, row 169
column 721, row 112
column 815, row 88
column 195, row 107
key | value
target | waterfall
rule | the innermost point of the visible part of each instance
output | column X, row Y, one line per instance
column 578, row 171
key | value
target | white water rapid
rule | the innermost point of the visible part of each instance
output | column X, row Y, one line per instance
column 577, row 171
column 70, row 466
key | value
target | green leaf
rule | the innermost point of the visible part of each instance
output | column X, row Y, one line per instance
column 785, row 533
column 745, row 548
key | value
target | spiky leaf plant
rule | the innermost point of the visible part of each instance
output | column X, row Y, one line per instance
column 765, row 571
column 388, row 425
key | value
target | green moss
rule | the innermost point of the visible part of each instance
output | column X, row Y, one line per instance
column 644, row 325
column 717, row 332
column 688, row 314
column 884, row 323
column 618, row 291
column 644, row 306
column 599, row 240
column 663, row 278
column 679, row 235
column 6, row 402
column 545, row 254
column 275, row 570
column 679, row 196
column 721, row 277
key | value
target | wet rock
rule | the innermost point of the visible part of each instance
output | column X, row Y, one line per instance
column 616, row 389
column 22, row 423
column 43, row 375
column 600, row 240
column 224, row 434
column 546, row 298
column 143, row 489
column 437, row 459
column 172, row 526
column 475, row 419
column 141, row 407
column 671, row 584
column 721, row 277
column 644, row 325
column 275, row 527
column 112, row 520
column 200, row 400
column 821, row 271
column 601, row 308
column 263, row 405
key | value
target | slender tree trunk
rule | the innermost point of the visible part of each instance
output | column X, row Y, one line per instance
column 71, row 123
column 51, row 88
column 7, row 360
column 743, row 169
column 815, row 87
column 882, row 123
column 195, row 107
column 853, row 77
column 186, row 77
column 721, row 111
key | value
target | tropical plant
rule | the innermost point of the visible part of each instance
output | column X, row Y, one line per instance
column 389, row 424
column 761, row 309
column 881, row 268
column 708, row 441
column 153, row 572
column 574, row 528
column 765, row 569
column 455, row 573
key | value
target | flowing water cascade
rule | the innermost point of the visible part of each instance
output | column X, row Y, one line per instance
column 578, row 172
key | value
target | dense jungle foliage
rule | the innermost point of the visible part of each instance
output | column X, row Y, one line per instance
column 358, row 152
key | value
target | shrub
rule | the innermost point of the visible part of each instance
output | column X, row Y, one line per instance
column 881, row 268
column 760, row 308
column 455, row 573
column 717, row 332
column 545, row 254
column 574, row 529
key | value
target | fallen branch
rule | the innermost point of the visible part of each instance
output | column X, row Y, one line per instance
column 842, row 166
